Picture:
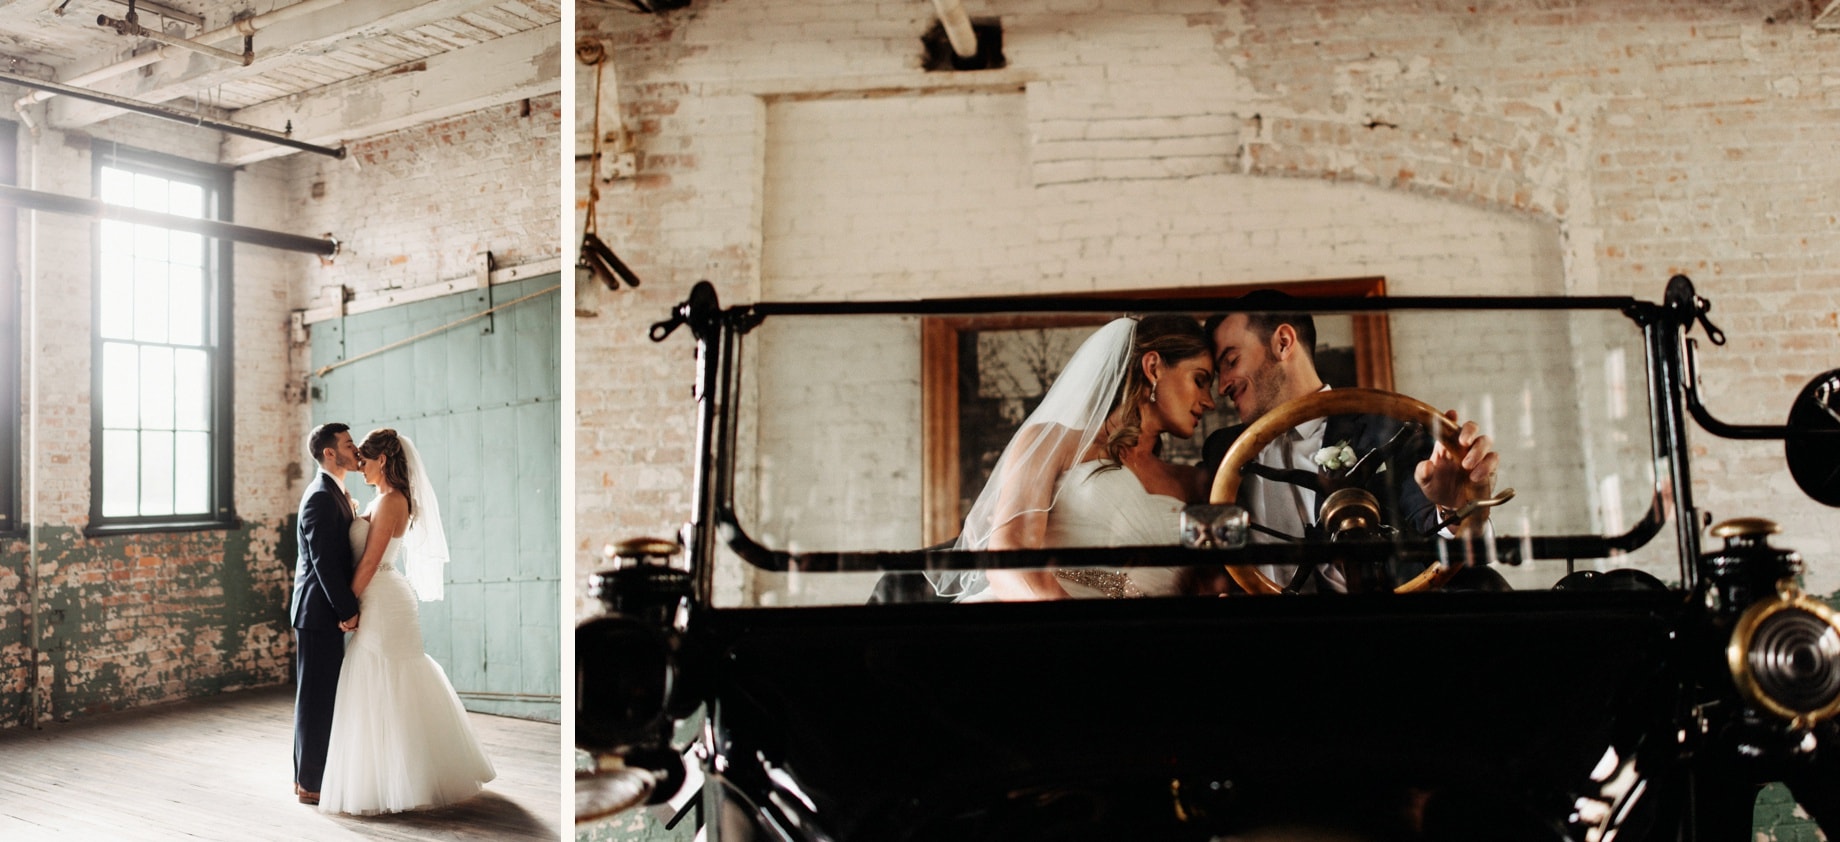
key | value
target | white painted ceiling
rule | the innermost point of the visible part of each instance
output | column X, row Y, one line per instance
column 336, row 71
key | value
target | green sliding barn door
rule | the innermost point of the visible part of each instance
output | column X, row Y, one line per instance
column 481, row 400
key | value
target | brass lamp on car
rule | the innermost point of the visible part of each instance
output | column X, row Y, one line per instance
column 1784, row 652
column 1784, row 656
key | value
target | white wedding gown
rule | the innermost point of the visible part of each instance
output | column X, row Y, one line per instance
column 400, row 738
column 1110, row 508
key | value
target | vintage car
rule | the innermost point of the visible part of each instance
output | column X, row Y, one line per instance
column 1626, row 669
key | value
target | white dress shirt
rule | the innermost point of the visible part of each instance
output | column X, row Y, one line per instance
column 1288, row 508
column 350, row 501
column 1284, row 507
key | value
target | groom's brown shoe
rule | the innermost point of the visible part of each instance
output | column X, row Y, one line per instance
column 305, row 796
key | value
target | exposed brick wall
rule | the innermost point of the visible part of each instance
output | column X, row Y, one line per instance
column 1620, row 142
column 16, row 662
column 131, row 620
column 417, row 206
column 1664, row 138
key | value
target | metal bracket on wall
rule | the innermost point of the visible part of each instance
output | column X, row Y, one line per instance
column 485, row 288
column 333, row 298
column 324, row 370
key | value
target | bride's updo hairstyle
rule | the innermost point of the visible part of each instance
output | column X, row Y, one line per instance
column 1173, row 338
column 383, row 442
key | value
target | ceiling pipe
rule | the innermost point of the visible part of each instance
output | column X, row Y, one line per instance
column 109, row 72
column 39, row 200
column 957, row 25
column 131, row 27
column 241, row 28
column 153, row 8
column 226, row 126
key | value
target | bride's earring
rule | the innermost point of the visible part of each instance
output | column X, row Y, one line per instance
column 1153, row 391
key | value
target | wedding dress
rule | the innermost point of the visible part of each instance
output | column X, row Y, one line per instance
column 1085, row 506
column 400, row 738
column 1109, row 507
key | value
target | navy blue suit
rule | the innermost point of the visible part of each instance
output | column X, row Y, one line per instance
column 1402, row 502
column 322, row 599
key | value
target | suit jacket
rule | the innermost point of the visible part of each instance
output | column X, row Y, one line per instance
column 322, row 575
column 1402, row 502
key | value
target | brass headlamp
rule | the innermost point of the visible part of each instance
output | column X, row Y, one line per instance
column 1784, row 651
column 1784, row 656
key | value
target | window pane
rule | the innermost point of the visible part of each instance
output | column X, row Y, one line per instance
column 156, row 388
column 152, row 312
column 117, row 310
column 190, row 398
column 187, row 248
column 156, row 473
column 117, row 237
column 186, row 289
column 194, row 470
column 150, row 193
column 120, row 386
column 187, row 200
column 117, row 187
column 151, row 242
column 120, row 457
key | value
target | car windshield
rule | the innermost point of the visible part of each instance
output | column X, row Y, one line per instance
column 861, row 439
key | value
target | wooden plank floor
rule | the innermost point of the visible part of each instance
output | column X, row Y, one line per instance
column 222, row 768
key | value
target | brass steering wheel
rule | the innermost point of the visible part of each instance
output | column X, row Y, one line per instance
column 1341, row 402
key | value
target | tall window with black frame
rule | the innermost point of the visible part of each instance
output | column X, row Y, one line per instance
column 161, row 414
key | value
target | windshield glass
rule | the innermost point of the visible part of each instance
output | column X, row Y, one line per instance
column 876, row 434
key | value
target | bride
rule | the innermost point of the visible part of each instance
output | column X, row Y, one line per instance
column 400, row 738
column 1083, row 470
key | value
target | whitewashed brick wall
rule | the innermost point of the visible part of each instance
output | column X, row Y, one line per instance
column 418, row 206
column 1590, row 150
column 58, row 285
column 267, row 383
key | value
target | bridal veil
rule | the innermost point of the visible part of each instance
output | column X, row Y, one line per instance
column 425, row 542
column 1024, row 484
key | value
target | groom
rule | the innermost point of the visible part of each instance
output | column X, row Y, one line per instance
column 323, row 607
column 1264, row 358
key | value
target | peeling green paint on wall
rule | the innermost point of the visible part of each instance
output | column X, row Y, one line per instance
column 132, row 620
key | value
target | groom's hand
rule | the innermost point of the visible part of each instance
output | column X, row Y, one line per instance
column 349, row 625
column 1450, row 480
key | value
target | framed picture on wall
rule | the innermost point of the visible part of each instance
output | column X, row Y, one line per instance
column 981, row 376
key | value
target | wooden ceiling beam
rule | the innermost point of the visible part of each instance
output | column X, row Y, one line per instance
column 495, row 72
column 343, row 26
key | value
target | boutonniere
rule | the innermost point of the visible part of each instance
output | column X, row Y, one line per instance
column 1335, row 457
